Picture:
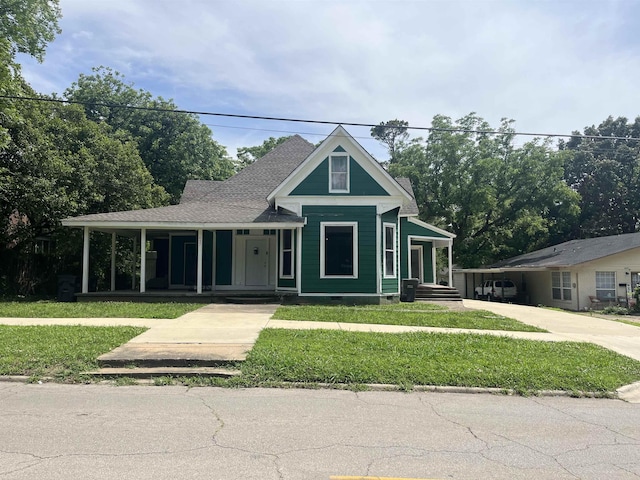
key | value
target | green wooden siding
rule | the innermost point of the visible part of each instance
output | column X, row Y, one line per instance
column 360, row 182
column 224, row 256
column 389, row 285
column 178, row 257
column 406, row 229
column 365, row 216
column 288, row 282
column 409, row 228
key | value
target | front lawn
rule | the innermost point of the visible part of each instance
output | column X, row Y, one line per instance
column 400, row 314
column 338, row 357
column 58, row 351
column 51, row 309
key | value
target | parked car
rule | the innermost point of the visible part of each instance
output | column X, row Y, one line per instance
column 496, row 289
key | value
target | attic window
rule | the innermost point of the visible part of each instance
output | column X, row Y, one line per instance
column 339, row 173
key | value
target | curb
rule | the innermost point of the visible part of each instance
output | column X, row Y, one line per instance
column 380, row 387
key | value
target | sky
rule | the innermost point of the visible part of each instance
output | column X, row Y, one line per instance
column 552, row 66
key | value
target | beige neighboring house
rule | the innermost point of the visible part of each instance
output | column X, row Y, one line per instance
column 575, row 275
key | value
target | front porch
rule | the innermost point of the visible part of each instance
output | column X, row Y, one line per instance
column 189, row 296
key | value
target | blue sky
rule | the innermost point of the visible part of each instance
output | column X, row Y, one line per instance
column 552, row 66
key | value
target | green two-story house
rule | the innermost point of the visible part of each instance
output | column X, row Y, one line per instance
column 326, row 222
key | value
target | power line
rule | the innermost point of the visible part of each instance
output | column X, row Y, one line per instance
column 318, row 122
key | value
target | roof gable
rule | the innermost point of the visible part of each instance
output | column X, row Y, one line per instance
column 311, row 168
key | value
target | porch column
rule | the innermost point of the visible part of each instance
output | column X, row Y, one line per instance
column 299, row 259
column 451, row 263
column 113, row 261
column 199, row 271
column 85, row 261
column 143, row 259
column 133, row 265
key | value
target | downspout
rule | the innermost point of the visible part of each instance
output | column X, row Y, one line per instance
column 379, row 273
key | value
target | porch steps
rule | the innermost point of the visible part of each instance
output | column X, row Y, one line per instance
column 437, row 292
column 155, row 372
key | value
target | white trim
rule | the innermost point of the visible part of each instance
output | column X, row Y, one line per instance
column 113, row 261
column 379, row 267
column 281, row 252
column 299, row 259
column 384, row 250
column 355, row 257
column 143, row 260
column 72, row 222
column 85, row 260
column 348, row 172
column 339, row 137
column 199, row 264
column 382, row 203
column 434, row 269
column 214, row 246
column 420, row 223
column 420, row 275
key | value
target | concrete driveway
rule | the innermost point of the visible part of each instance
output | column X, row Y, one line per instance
column 616, row 336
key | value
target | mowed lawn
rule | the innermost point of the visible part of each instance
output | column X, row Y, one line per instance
column 51, row 309
column 411, row 314
column 59, row 351
column 407, row 359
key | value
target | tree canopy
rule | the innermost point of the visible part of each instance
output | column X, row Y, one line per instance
column 392, row 134
column 175, row 147
column 606, row 174
column 500, row 200
column 29, row 25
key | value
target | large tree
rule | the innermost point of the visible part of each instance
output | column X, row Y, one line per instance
column 500, row 200
column 175, row 147
column 606, row 174
column 392, row 134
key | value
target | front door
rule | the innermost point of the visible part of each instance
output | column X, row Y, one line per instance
column 257, row 262
column 416, row 263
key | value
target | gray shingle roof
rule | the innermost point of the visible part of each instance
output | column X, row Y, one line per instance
column 412, row 207
column 573, row 252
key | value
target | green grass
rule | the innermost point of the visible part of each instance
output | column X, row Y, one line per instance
column 338, row 357
column 62, row 352
column 477, row 319
column 51, row 309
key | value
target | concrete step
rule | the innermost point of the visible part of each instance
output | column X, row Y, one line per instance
column 151, row 372
column 174, row 355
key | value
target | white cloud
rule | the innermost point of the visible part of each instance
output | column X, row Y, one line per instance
column 552, row 66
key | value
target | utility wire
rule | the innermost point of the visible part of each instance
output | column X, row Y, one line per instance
column 318, row 122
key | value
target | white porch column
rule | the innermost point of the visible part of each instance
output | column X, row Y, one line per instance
column 143, row 259
column 433, row 264
column 85, row 260
column 133, row 265
column 451, row 262
column 113, row 261
column 199, row 271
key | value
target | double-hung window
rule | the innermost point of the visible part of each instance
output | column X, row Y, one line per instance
column 389, row 250
column 339, row 250
column 339, row 173
column 561, row 285
column 286, row 254
column 606, row 285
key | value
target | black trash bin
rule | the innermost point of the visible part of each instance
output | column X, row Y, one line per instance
column 66, row 288
column 409, row 286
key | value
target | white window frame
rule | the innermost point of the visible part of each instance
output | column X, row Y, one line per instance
column 282, row 252
column 599, row 287
column 354, row 226
column 331, row 172
column 393, row 249
column 561, row 281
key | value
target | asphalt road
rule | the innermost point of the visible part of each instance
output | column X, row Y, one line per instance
column 53, row 431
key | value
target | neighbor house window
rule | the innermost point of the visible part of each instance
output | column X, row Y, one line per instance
column 339, row 173
column 389, row 250
column 561, row 285
column 339, row 250
column 606, row 285
column 286, row 254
